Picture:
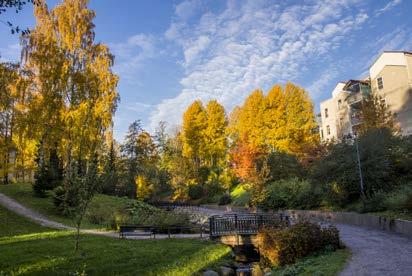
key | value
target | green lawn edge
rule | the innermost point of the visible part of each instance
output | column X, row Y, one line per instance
column 323, row 264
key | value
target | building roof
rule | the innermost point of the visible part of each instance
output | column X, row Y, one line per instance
column 387, row 58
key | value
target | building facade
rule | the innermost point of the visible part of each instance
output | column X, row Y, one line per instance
column 390, row 77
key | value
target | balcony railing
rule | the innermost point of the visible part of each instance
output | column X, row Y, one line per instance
column 354, row 98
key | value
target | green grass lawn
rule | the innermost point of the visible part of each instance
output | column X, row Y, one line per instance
column 29, row 249
column 326, row 264
column 102, row 205
column 12, row 225
column 240, row 196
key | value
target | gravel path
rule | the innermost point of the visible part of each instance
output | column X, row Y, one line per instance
column 19, row 209
column 376, row 252
column 16, row 207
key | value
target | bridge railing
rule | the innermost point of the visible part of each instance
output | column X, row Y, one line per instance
column 242, row 224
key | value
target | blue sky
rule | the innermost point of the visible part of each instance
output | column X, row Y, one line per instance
column 170, row 53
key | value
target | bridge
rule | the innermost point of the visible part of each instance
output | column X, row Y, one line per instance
column 241, row 229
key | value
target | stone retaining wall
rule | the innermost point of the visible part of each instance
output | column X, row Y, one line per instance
column 398, row 226
column 228, row 208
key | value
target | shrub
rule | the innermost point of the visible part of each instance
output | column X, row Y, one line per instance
column 401, row 199
column 195, row 192
column 225, row 199
column 385, row 160
column 283, row 246
column 110, row 216
column 283, row 166
column 290, row 193
column 58, row 198
column 376, row 203
column 148, row 215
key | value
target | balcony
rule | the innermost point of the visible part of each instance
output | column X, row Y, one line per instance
column 356, row 118
column 354, row 98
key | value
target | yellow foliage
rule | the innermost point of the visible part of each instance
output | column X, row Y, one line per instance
column 143, row 187
column 282, row 120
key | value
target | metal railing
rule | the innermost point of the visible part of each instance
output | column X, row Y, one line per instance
column 243, row 224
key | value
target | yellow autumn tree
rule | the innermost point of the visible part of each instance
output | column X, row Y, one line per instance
column 215, row 133
column 251, row 121
column 193, row 130
column 300, row 120
column 283, row 120
column 74, row 88
column 8, row 99
column 275, row 119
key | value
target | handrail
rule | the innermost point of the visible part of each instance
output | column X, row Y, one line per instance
column 242, row 224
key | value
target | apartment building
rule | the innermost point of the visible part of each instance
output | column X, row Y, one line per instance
column 390, row 77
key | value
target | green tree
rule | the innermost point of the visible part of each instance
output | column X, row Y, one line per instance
column 131, row 151
column 110, row 175
column 375, row 114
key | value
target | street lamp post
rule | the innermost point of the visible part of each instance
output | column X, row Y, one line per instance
column 362, row 190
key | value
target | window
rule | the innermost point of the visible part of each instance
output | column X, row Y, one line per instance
column 321, row 134
column 379, row 82
column 355, row 88
column 339, row 103
column 327, row 130
column 326, row 113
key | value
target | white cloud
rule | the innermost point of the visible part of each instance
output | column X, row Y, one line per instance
column 254, row 44
column 391, row 4
column 187, row 9
column 192, row 52
column 11, row 53
column 131, row 54
column 324, row 80
column 138, row 106
column 397, row 40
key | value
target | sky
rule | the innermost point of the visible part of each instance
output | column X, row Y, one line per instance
column 170, row 53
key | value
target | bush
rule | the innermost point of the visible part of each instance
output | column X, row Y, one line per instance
column 385, row 158
column 290, row 193
column 401, row 199
column 284, row 246
column 58, row 198
column 376, row 203
column 148, row 215
column 283, row 166
column 195, row 192
column 225, row 199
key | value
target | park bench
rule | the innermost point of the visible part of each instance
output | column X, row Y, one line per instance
column 136, row 230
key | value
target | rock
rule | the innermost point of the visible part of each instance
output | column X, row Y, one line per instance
column 227, row 271
column 268, row 273
column 210, row 273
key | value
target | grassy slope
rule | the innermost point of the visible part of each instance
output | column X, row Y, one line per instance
column 12, row 225
column 327, row 264
column 23, row 193
column 27, row 248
